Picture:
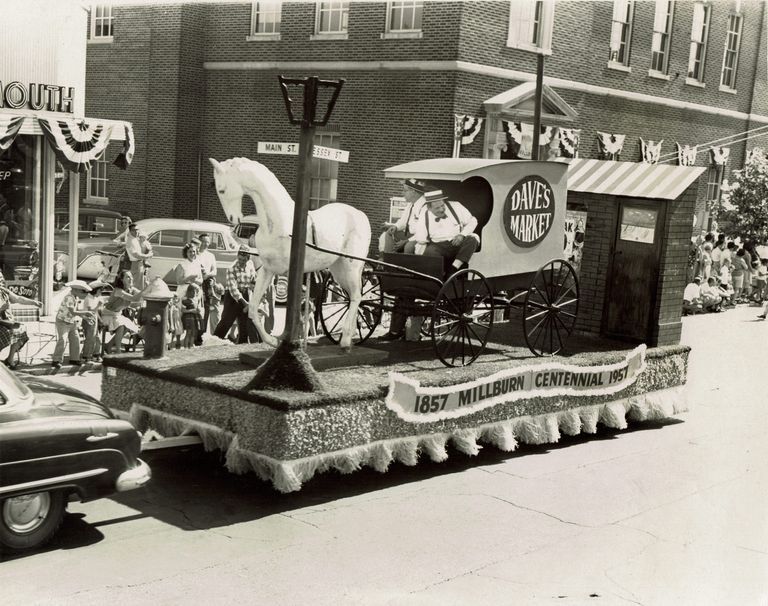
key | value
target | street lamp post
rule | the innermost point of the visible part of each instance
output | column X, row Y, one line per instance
column 289, row 366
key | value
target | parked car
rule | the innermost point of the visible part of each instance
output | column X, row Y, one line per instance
column 92, row 223
column 245, row 232
column 167, row 237
column 58, row 444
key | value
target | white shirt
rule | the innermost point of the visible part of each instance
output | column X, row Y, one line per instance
column 123, row 237
column 692, row 292
column 430, row 229
column 411, row 215
column 133, row 248
column 717, row 254
column 207, row 262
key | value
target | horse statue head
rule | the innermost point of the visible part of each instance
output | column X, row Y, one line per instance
column 229, row 189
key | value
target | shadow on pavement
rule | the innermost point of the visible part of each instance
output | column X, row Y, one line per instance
column 75, row 532
column 191, row 489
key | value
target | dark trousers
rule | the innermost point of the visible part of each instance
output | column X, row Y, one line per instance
column 463, row 252
column 236, row 311
column 207, row 288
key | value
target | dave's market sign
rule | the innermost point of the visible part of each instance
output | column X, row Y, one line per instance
column 529, row 210
column 412, row 402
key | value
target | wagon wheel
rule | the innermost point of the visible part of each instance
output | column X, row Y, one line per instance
column 335, row 305
column 462, row 318
column 550, row 308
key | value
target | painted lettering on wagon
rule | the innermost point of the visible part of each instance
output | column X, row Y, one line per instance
column 529, row 209
column 412, row 402
column 50, row 97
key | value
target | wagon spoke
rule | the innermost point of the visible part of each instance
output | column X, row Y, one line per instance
column 530, row 332
column 560, row 306
column 538, row 305
column 537, row 314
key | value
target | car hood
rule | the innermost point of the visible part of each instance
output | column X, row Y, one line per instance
column 88, row 246
column 56, row 400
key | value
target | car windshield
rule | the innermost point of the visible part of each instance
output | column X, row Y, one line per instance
column 12, row 389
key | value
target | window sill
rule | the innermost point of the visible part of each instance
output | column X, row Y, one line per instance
column 103, row 40
column 262, row 37
column 726, row 89
column 96, row 201
column 619, row 67
column 401, row 35
column 340, row 36
column 529, row 48
column 652, row 73
column 694, row 82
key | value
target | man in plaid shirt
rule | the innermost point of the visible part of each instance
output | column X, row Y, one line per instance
column 241, row 278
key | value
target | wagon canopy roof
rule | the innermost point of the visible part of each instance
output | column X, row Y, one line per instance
column 632, row 179
column 447, row 169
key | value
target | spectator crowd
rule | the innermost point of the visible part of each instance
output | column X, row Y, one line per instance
column 723, row 273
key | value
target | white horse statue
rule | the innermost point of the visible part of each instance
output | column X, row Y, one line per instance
column 336, row 227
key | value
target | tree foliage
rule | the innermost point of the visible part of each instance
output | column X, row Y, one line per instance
column 744, row 210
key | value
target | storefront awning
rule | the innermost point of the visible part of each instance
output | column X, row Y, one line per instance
column 77, row 142
column 631, row 179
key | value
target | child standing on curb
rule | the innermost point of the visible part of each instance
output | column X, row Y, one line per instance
column 66, row 324
column 175, row 329
column 190, row 316
column 90, row 306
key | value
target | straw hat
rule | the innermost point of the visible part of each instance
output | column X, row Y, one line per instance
column 79, row 284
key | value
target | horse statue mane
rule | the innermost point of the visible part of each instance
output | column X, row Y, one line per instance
column 336, row 227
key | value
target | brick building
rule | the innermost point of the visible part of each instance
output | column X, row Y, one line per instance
column 200, row 80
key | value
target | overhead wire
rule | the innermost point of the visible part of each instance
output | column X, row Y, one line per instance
column 673, row 155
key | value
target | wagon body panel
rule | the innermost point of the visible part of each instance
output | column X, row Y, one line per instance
column 484, row 185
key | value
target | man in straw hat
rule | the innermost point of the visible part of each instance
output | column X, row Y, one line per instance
column 397, row 234
column 66, row 324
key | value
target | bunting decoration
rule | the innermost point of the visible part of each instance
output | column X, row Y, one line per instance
column 520, row 135
column 568, row 142
column 125, row 157
column 650, row 151
column 686, row 155
column 467, row 128
column 610, row 145
column 719, row 155
column 9, row 128
column 76, row 144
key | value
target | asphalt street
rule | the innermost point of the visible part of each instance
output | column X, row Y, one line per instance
column 661, row 513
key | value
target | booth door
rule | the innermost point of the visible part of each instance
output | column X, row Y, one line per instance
column 633, row 274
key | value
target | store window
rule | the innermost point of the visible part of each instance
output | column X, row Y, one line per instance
column 102, row 24
column 699, row 35
column 731, row 54
column 405, row 16
column 714, row 184
column 662, row 36
column 20, row 216
column 331, row 18
column 621, row 33
column 265, row 20
column 325, row 173
column 530, row 25
column 97, row 181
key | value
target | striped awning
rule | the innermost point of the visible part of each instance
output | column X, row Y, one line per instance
column 631, row 179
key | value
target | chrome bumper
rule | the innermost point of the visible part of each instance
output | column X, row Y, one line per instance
column 134, row 478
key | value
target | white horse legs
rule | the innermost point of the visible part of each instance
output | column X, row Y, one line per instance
column 263, row 280
column 349, row 276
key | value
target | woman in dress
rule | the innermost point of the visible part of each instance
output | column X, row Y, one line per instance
column 124, row 295
column 12, row 334
column 189, row 272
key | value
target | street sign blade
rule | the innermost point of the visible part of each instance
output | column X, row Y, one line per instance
column 330, row 153
column 284, row 149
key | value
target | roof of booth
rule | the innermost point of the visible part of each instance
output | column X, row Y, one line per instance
column 631, row 179
column 449, row 169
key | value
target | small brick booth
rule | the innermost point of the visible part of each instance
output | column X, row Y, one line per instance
column 639, row 221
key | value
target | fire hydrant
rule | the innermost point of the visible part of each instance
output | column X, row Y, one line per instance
column 157, row 296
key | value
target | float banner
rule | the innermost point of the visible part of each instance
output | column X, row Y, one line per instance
column 417, row 404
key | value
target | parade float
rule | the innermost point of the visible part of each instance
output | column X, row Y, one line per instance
column 297, row 414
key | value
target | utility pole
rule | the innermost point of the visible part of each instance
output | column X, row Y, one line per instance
column 537, row 106
column 289, row 366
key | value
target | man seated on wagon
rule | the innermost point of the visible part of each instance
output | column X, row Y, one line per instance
column 446, row 230
column 397, row 234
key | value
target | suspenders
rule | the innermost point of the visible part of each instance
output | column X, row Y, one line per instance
column 453, row 212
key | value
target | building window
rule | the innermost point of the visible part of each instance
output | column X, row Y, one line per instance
column 621, row 31
column 265, row 18
column 662, row 34
column 325, row 173
column 731, row 55
column 102, row 26
column 405, row 16
column 699, row 36
column 714, row 184
column 530, row 25
column 97, row 179
column 332, row 17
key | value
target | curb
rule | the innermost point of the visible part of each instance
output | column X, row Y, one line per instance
column 65, row 370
